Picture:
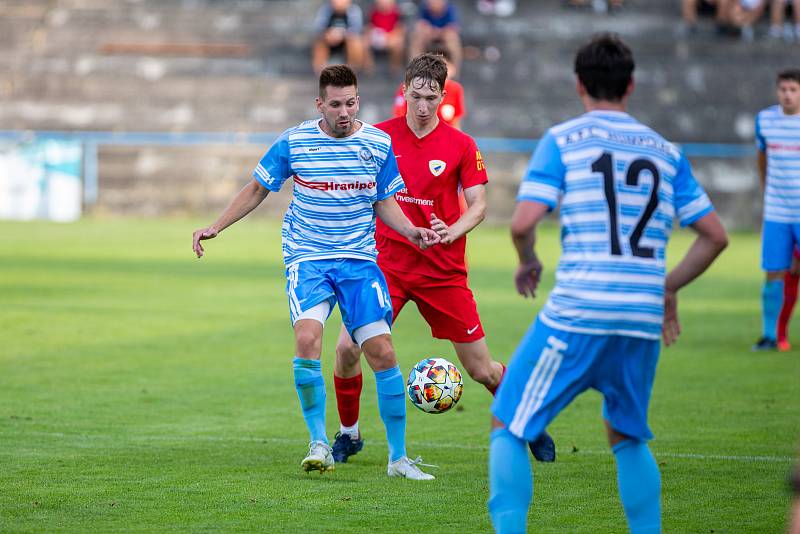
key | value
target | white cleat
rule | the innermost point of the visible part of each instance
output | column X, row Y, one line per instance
column 406, row 468
column 320, row 458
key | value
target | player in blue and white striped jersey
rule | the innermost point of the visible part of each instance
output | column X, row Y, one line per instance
column 344, row 174
column 778, row 140
column 620, row 185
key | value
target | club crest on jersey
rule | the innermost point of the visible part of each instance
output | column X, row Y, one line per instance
column 436, row 166
column 365, row 155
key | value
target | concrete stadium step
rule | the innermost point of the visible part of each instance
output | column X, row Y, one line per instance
column 54, row 67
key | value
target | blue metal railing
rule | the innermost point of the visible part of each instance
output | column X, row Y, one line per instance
column 92, row 140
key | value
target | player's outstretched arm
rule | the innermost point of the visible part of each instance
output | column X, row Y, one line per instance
column 710, row 242
column 391, row 213
column 243, row 203
column 526, row 216
column 476, row 212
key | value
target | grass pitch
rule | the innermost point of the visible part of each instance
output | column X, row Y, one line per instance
column 144, row 390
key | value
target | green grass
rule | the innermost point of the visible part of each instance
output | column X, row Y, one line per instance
column 144, row 390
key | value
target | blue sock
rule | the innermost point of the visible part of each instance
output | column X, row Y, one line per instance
column 311, row 389
column 639, row 486
column 510, row 482
column 771, row 302
column 392, row 407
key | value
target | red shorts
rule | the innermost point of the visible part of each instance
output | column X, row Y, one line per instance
column 447, row 305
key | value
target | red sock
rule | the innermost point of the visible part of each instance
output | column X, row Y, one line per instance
column 493, row 390
column 348, row 394
column 789, row 299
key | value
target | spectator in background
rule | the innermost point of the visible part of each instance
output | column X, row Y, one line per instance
column 438, row 26
column 338, row 27
column 452, row 109
column 745, row 13
column 385, row 33
column 777, row 15
column 501, row 8
column 689, row 9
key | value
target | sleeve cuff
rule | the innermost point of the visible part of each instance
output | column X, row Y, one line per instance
column 696, row 216
column 262, row 176
column 541, row 200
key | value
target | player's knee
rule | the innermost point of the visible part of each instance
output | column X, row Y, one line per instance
column 384, row 359
column 348, row 353
column 308, row 344
column 379, row 353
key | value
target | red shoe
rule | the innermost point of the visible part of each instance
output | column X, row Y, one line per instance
column 784, row 345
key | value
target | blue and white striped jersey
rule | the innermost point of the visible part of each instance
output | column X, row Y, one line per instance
column 620, row 185
column 336, row 182
column 779, row 135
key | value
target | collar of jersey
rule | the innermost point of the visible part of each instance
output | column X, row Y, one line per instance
column 609, row 113
column 426, row 136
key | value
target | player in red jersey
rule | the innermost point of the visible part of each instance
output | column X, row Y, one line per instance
column 790, row 282
column 452, row 109
column 435, row 160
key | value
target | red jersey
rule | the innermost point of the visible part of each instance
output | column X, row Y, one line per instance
column 451, row 109
column 385, row 20
column 432, row 168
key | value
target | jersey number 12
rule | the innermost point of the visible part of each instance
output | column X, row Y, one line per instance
column 605, row 166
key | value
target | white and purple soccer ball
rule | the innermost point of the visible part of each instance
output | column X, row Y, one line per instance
column 434, row 385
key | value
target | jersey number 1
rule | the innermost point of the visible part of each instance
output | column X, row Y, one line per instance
column 605, row 166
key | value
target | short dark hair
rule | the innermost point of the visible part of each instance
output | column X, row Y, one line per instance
column 430, row 68
column 788, row 75
column 336, row 76
column 605, row 67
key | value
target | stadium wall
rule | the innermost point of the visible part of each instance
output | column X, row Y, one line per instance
column 243, row 66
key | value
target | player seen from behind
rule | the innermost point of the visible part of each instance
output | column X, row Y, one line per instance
column 619, row 185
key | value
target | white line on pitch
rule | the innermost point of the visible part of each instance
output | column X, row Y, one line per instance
column 426, row 444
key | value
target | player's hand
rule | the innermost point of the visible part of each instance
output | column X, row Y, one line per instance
column 200, row 235
column 441, row 228
column 527, row 278
column 424, row 237
column 672, row 327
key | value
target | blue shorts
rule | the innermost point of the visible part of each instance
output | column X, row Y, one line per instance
column 551, row 367
column 778, row 241
column 357, row 285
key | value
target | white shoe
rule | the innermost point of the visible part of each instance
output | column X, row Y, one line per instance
column 406, row 468
column 320, row 458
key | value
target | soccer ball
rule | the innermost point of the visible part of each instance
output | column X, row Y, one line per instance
column 434, row 385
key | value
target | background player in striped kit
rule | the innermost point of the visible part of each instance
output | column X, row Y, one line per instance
column 435, row 160
column 344, row 174
column 778, row 140
column 619, row 185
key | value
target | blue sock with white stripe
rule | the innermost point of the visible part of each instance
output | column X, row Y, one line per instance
column 311, row 390
column 392, row 407
column 639, row 486
column 510, row 482
column 771, row 302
